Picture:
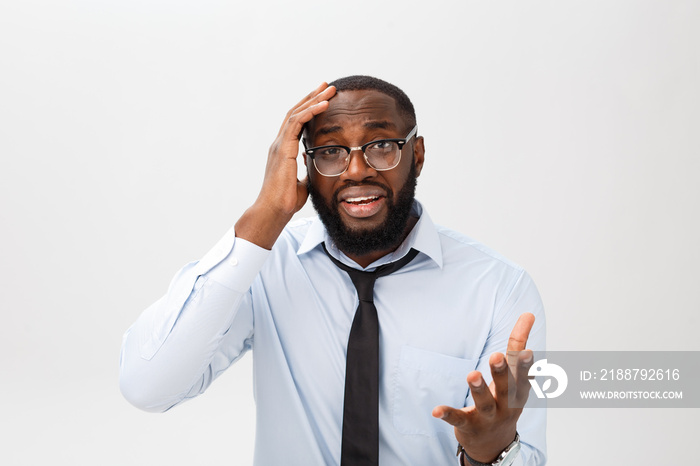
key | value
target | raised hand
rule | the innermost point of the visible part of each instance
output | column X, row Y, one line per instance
column 487, row 428
column 282, row 194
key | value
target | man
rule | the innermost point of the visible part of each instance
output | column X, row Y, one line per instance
column 347, row 373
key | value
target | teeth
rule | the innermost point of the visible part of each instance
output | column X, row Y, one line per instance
column 361, row 200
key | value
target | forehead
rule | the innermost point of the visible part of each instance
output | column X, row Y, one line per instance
column 351, row 109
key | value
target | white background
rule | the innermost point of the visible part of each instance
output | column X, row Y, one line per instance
column 134, row 133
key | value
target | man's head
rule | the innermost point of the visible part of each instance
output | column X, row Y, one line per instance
column 364, row 209
column 364, row 83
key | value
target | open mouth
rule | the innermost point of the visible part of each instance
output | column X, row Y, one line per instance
column 361, row 200
column 363, row 206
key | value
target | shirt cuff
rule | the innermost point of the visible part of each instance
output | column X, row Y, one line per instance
column 238, row 269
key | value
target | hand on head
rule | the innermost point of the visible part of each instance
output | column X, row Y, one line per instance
column 282, row 193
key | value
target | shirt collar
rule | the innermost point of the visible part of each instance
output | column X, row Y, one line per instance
column 423, row 237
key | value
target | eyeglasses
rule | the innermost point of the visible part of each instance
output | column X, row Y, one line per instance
column 382, row 155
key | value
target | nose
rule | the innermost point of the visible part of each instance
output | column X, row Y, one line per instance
column 358, row 168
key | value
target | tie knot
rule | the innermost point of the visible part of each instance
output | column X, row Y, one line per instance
column 364, row 281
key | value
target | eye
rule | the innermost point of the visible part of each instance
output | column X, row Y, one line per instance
column 330, row 153
column 382, row 146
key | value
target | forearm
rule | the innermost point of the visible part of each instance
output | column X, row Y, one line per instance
column 181, row 368
column 204, row 322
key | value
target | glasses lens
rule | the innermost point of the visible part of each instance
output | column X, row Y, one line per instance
column 383, row 155
column 330, row 160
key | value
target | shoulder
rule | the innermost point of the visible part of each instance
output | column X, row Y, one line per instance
column 297, row 229
column 292, row 237
column 460, row 248
column 482, row 270
column 300, row 224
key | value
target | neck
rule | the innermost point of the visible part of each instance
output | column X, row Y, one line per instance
column 365, row 259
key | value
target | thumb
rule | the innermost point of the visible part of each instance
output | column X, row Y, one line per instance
column 302, row 193
column 452, row 416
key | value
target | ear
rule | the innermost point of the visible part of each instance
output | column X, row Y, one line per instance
column 419, row 154
column 304, row 135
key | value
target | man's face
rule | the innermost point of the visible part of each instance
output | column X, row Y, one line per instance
column 364, row 210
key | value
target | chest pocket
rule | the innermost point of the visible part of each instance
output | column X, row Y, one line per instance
column 424, row 380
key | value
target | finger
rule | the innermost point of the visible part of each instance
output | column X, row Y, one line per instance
column 522, row 368
column 308, row 97
column 311, row 94
column 520, row 333
column 302, row 193
column 299, row 119
column 326, row 94
column 321, row 93
column 502, row 378
column 484, row 402
column 455, row 417
column 291, row 131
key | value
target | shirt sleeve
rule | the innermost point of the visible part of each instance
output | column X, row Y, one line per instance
column 522, row 297
column 203, row 324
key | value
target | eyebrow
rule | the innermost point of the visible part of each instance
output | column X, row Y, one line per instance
column 328, row 130
column 381, row 124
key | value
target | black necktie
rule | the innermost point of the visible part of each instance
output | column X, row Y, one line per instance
column 360, row 445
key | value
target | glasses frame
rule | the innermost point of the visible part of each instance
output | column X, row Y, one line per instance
column 399, row 141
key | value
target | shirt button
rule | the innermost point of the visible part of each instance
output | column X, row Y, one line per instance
column 233, row 262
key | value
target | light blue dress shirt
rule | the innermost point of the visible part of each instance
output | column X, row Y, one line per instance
column 440, row 317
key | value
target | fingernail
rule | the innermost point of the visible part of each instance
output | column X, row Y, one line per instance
column 500, row 364
column 477, row 383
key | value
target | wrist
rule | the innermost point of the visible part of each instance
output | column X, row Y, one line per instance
column 485, row 454
column 504, row 457
column 261, row 225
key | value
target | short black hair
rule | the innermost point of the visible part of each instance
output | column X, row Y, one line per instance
column 363, row 83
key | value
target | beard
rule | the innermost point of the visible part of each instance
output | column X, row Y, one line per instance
column 366, row 240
